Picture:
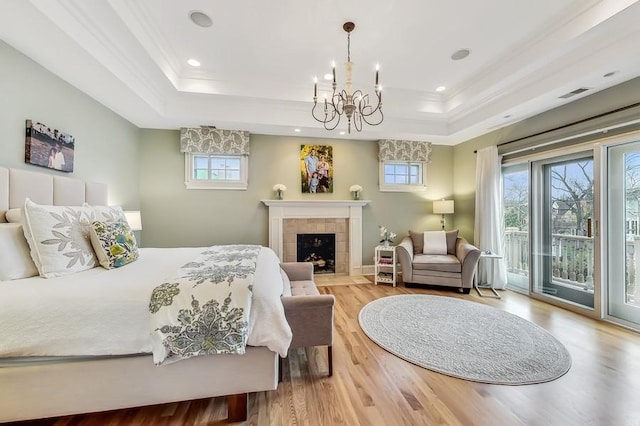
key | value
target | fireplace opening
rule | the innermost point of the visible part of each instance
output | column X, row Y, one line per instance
column 319, row 249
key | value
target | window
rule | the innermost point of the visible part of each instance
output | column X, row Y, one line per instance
column 402, row 176
column 210, row 171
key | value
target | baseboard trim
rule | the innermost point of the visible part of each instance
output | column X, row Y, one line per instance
column 368, row 269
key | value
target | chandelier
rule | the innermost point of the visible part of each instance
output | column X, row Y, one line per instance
column 353, row 104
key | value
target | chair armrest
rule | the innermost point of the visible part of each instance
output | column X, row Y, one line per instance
column 469, row 255
column 298, row 271
column 404, row 250
column 310, row 319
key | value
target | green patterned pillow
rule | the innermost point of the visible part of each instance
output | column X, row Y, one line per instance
column 114, row 243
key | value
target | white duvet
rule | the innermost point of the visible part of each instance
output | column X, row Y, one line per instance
column 106, row 312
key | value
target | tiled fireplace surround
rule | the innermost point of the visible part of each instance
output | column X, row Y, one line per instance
column 293, row 227
column 342, row 217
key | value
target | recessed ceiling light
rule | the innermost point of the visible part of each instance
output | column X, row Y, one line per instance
column 440, row 89
column 194, row 62
column 328, row 76
column 201, row 19
column 507, row 116
column 610, row 74
column 296, row 130
column 460, row 54
column 342, row 133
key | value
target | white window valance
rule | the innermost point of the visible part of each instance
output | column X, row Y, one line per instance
column 207, row 140
column 402, row 150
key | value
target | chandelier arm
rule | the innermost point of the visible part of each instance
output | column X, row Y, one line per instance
column 338, row 116
column 370, row 123
column 357, row 121
column 326, row 114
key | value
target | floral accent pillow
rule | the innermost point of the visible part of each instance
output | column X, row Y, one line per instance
column 58, row 237
column 114, row 243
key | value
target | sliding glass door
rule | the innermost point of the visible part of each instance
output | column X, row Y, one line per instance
column 562, row 229
column 515, row 190
column 623, row 232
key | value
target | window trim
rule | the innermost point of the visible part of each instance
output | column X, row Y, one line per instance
column 239, row 185
column 401, row 187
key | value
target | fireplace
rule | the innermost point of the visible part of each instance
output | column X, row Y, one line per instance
column 319, row 249
column 287, row 218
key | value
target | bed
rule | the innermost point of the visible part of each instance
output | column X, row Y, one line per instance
column 46, row 375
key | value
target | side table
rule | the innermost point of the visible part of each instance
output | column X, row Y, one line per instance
column 385, row 265
column 489, row 256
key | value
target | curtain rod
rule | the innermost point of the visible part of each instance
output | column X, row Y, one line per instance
column 564, row 126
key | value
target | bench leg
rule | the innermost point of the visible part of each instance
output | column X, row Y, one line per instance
column 237, row 407
column 330, row 359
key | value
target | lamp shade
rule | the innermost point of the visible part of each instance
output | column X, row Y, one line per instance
column 134, row 219
column 443, row 206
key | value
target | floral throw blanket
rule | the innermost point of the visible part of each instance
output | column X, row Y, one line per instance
column 205, row 308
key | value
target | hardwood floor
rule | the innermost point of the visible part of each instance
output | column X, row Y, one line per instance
column 372, row 387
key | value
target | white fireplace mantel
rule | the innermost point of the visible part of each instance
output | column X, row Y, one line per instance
column 279, row 210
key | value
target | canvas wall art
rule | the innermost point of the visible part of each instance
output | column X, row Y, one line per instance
column 47, row 147
column 316, row 168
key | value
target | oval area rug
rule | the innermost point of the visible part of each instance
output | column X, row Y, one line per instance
column 464, row 339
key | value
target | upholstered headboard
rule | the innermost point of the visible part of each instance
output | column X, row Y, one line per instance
column 42, row 188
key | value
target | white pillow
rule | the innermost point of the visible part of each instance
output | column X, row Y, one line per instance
column 435, row 242
column 59, row 238
column 108, row 213
column 15, row 261
column 14, row 215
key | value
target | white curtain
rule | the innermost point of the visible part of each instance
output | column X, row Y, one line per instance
column 489, row 223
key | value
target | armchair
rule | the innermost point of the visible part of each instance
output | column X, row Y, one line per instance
column 454, row 269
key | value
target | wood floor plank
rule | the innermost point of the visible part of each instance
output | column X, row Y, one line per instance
column 373, row 387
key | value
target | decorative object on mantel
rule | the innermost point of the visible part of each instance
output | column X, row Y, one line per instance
column 355, row 191
column 47, row 147
column 279, row 189
column 387, row 236
column 316, row 168
column 209, row 140
column 354, row 104
column 443, row 207
column 404, row 150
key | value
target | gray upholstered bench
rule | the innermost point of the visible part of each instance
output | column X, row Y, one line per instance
column 309, row 313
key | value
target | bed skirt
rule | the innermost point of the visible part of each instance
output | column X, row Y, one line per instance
column 64, row 388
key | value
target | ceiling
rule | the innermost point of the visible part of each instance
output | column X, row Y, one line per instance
column 259, row 58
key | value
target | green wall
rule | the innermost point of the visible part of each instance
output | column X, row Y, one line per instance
column 106, row 144
column 175, row 216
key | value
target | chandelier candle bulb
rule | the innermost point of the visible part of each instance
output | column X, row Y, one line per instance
column 333, row 65
column 377, row 70
column 315, row 87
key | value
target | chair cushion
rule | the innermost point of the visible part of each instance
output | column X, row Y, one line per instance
column 303, row 288
column 418, row 241
column 437, row 262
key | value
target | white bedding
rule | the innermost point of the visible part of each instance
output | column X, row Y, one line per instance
column 106, row 312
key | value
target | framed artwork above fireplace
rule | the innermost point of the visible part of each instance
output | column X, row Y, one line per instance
column 316, row 169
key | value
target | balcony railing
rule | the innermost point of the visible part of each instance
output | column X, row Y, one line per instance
column 572, row 260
